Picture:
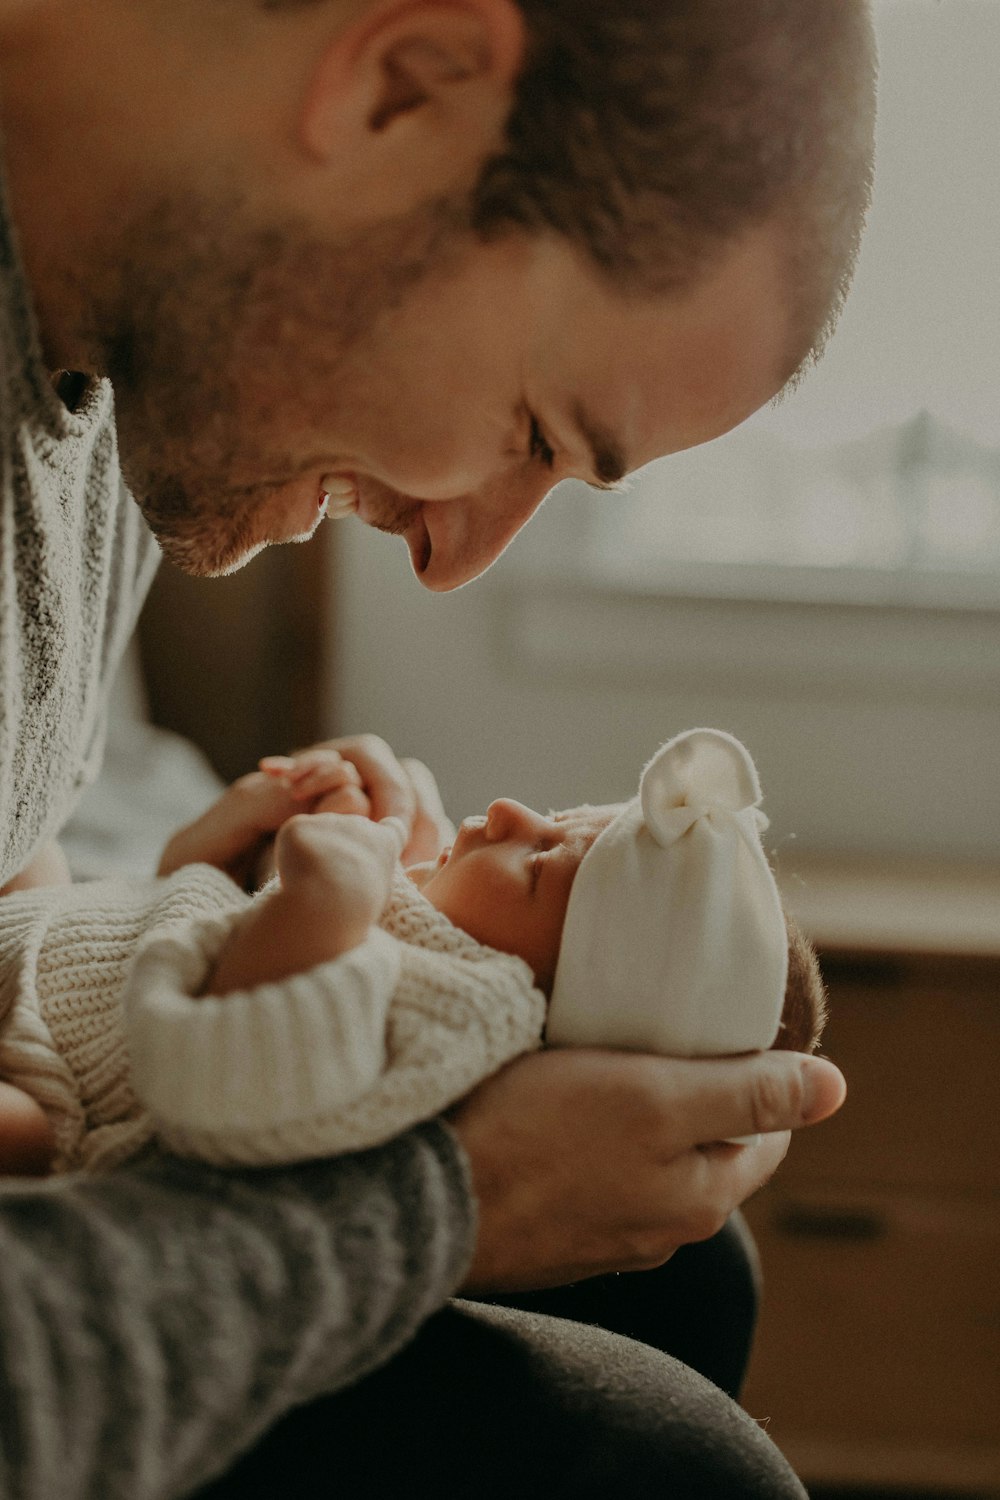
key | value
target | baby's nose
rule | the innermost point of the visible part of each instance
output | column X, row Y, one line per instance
column 506, row 819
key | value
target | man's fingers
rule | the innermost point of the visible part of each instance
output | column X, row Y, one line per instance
column 320, row 779
column 276, row 765
column 347, row 799
column 719, row 1177
column 717, row 1099
column 311, row 771
column 383, row 778
column 647, row 1184
column 394, row 788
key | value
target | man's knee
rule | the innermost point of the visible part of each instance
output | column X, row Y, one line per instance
column 613, row 1417
column 490, row 1402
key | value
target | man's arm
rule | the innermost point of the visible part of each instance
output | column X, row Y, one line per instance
column 48, row 867
column 27, row 1141
column 154, row 1322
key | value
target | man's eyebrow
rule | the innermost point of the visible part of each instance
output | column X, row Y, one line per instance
column 607, row 454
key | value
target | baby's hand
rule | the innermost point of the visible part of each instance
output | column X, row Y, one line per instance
column 340, row 865
column 361, row 775
column 335, row 876
column 320, row 780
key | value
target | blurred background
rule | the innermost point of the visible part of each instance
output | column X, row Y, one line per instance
column 825, row 583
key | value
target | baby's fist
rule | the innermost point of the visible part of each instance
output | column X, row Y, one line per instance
column 342, row 866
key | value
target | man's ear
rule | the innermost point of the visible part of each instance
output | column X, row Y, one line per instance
column 416, row 89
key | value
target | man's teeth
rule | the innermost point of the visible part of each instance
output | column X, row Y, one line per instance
column 341, row 495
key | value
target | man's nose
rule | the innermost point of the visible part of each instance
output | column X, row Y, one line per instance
column 520, row 496
column 507, row 819
column 495, row 515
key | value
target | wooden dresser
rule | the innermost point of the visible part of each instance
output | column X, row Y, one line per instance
column 878, row 1356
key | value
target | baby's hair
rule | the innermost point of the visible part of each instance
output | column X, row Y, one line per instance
column 804, row 1014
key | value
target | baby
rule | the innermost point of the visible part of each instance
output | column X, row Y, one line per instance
column 292, row 1025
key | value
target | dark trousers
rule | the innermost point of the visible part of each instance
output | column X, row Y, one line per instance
column 613, row 1387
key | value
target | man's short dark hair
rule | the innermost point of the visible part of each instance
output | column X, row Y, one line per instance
column 651, row 132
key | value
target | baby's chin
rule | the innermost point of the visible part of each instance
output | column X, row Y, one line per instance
column 421, row 873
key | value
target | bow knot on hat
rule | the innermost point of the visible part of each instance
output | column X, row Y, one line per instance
column 674, row 939
column 704, row 773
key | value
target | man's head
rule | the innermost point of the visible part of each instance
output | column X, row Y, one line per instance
column 444, row 251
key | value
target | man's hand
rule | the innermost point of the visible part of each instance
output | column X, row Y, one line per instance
column 361, row 774
column 236, row 831
column 48, row 867
column 27, row 1144
column 585, row 1162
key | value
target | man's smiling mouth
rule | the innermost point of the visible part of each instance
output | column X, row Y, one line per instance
column 387, row 510
column 338, row 495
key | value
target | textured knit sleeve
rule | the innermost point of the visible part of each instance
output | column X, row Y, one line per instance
column 337, row 1059
column 65, row 952
column 250, row 1077
column 156, row 1320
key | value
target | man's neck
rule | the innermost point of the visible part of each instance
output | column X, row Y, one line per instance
column 69, row 387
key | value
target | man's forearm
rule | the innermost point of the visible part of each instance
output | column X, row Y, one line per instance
column 49, row 867
column 153, row 1323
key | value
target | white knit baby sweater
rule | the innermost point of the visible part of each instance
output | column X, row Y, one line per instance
column 101, row 1022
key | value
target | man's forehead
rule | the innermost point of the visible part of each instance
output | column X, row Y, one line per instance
column 638, row 376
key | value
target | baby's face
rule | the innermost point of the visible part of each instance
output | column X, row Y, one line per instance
column 506, row 879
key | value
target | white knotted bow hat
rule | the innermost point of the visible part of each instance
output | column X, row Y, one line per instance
column 674, row 940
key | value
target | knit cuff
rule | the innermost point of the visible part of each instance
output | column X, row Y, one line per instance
column 246, row 1076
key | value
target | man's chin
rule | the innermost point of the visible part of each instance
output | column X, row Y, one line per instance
column 204, row 554
column 197, row 567
column 212, row 529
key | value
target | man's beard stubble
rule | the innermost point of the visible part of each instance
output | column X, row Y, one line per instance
column 224, row 343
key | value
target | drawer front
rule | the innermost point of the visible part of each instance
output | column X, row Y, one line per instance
column 920, row 1047
column 881, row 1322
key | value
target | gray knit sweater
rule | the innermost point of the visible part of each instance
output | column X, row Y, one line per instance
column 154, row 1322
